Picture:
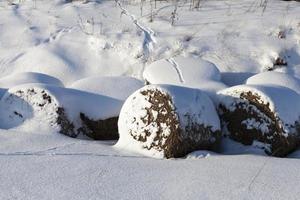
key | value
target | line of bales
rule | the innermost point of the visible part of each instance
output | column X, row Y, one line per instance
column 181, row 107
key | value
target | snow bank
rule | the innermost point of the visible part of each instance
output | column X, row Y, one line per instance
column 36, row 107
column 118, row 87
column 168, row 121
column 27, row 77
column 276, row 78
column 268, row 114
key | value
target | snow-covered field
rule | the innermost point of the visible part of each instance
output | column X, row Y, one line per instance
column 75, row 54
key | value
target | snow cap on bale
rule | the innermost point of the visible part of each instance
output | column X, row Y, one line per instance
column 276, row 78
column 118, row 87
column 167, row 121
column 36, row 106
column 186, row 72
column 27, row 77
column 269, row 114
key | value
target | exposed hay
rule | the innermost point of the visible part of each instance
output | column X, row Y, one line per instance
column 66, row 127
column 251, row 108
column 182, row 138
column 40, row 105
column 100, row 129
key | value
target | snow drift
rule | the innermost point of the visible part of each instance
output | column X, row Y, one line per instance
column 167, row 121
column 268, row 114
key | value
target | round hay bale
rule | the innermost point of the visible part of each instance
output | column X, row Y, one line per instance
column 117, row 87
column 167, row 121
column 43, row 107
column 186, row 72
column 182, row 71
column 267, row 114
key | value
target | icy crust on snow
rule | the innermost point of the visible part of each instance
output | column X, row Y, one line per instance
column 276, row 78
column 282, row 101
column 118, row 87
column 38, row 103
column 184, row 102
column 26, row 77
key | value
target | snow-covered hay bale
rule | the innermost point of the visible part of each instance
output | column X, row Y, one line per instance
column 118, row 87
column 186, row 72
column 36, row 107
column 276, row 78
column 269, row 115
column 180, row 70
column 26, row 77
column 167, row 121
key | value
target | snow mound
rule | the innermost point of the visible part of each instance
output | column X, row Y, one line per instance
column 181, row 71
column 34, row 107
column 118, row 87
column 165, row 121
column 187, row 72
column 46, row 61
column 27, row 77
column 266, row 114
column 276, row 78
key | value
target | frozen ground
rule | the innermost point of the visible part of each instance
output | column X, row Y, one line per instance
column 73, row 41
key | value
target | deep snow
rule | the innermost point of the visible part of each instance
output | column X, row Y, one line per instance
column 74, row 41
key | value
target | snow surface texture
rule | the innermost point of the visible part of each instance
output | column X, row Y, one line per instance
column 135, row 121
column 187, row 72
column 52, row 166
column 35, row 107
column 119, row 87
column 183, row 71
column 275, row 78
column 239, row 37
column 72, row 41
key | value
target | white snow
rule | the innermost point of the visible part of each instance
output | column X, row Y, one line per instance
column 187, row 72
column 26, row 77
column 276, row 78
column 118, row 87
column 43, row 166
column 181, row 71
column 73, row 41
